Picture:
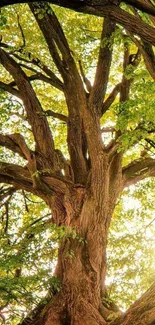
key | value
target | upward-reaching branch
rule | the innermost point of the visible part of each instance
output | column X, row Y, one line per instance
column 54, row 36
column 36, row 118
column 125, row 85
column 73, row 86
column 148, row 54
column 103, row 66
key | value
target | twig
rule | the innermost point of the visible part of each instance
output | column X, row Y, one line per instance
column 21, row 30
column 7, row 216
column 26, row 206
column 59, row 116
column 108, row 129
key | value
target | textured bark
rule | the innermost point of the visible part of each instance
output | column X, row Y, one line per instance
column 142, row 312
column 83, row 191
column 81, row 264
column 98, row 90
column 111, row 10
column 81, row 269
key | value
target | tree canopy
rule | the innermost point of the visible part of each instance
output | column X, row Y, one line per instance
column 77, row 139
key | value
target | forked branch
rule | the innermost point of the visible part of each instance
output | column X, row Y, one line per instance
column 7, row 142
column 73, row 86
column 13, row 91
column 54, row 36
column 51, row 79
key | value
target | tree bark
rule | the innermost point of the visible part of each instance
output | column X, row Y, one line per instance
column 84, row 200
column 81, row 266
column 109, row 9
column 142, row 312
column 81, row 270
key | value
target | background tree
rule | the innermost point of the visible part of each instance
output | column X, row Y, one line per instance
column 100, row 87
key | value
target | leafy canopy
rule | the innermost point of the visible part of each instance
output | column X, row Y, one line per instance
column 28, row 240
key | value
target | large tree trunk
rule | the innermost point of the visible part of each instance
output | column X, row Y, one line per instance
column 82, row 192
column 84, row 257
column 81, row 269
column 81, row 264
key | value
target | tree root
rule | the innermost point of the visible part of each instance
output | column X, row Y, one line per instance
column 58, row 312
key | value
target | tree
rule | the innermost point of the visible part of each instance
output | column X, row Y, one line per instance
column 80, row 183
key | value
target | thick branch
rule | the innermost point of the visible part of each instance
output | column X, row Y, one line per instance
column 125, row 84
column 124, row 89
column 131, row 23
column 10, row 89
column 59, row 116
column 17, row 176
column 108, row 102
column 21, row 178
column 8, row 142
column 73, row 86
column 149, row 58
column 142, row 312
column 103, row 66
column 54, row 37
column 147, row 53
column 138, row 170
column 142, row 5
column 37, row 120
